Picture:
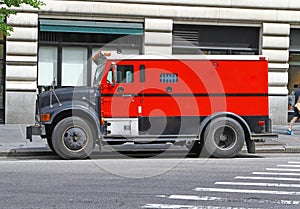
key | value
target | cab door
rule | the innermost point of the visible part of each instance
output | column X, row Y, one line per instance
column 120, row 89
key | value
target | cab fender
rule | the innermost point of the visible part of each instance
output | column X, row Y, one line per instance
column 80, row 110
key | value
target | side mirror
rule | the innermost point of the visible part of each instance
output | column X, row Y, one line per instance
column 114, row 73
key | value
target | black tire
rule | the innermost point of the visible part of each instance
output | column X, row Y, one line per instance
column 73, row 138
column 223, row 137
column 49, row 142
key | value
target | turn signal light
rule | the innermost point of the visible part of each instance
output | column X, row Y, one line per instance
column 45, row 117
column 102, row 121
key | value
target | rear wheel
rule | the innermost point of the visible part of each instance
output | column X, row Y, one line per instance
column 73, row 138
column 223, row 137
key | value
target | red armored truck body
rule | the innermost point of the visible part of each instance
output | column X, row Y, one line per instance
column 215, row 104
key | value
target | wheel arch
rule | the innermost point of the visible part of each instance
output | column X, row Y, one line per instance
column 85, row 114
column 234, row 116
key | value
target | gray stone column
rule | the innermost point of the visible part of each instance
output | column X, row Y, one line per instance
column 158, row 36
column 275, row 45
column 21, row 68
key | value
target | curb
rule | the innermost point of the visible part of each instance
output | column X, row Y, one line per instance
column 292, row 149
column 47, row 152
column 15, row 152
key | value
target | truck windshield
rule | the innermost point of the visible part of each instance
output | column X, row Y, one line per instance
column 98, row 75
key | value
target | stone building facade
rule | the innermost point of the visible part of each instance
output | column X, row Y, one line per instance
column 39, row 48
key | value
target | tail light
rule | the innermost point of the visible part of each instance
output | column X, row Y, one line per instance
column 261, row 123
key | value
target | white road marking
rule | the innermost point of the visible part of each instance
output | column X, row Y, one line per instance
column 276, row 174
column 168, row 206
column 267, row 178
column 283, row 169
column 197, row 198
column 292, row 166
column 259, row 184
column 288, row 170
column 163, row 196
column 294, row 162
column 247, row 191
column 223, row 199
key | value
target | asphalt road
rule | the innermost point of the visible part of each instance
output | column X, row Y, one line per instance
column 248, row 181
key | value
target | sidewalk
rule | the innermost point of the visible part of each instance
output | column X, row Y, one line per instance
column 13, row 142
column 284, row 143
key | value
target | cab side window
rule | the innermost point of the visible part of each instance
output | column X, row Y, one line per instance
column 124, row 74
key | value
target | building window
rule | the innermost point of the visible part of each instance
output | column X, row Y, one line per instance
column 64, row 56
column 294, row 63
column 47, row 65
column 294, row 60
column 74, row 64
column 2, row 77
column 191, row 39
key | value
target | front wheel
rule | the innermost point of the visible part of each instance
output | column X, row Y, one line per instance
column 223, row 137
column 73, row 138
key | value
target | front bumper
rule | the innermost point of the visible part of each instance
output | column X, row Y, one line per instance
column 34, row 131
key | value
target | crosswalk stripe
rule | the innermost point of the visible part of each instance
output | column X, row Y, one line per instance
column 247, row 191
column 288, row 170
column 259, row 184
column 283, row 169
column 294, row 162
column 224, row 199
column 168, row 206
column 276, row 174
column 197, row 198
column 267, row 178
column 292, row 166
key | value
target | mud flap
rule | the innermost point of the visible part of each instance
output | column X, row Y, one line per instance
column 250, row 146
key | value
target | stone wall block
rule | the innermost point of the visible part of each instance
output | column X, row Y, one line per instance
column 161, row 50
column 21, row 60
column 275, row 29
column 20, row 85
column 275, row 42
column 20, row 107
column 23, row 34
column 23, row 19
column 160, row 39
column 21, row 48
column 21, row 72
column 278, row 67
column 278, row 78
column 278, row 112
column 162, row 25
column 276, row 55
